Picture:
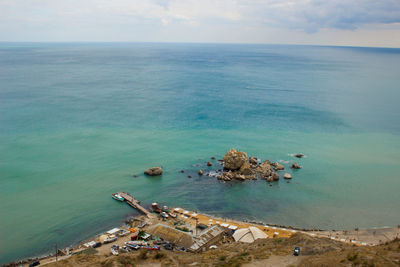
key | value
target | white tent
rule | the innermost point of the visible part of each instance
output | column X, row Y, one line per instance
column 249, row 235
column 113, row 231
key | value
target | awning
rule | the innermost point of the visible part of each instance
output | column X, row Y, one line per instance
column 113, row 231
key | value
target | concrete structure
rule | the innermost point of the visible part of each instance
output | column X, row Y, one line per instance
column 207, row 238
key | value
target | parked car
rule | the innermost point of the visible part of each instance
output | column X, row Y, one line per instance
column 98, row 244
column 168, row 246
column 296, row 251
column 35, row 263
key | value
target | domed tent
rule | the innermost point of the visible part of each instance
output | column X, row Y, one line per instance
column 249, row 235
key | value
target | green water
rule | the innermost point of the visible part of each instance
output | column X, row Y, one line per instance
column 77, row 121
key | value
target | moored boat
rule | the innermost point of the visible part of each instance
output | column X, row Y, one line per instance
column 110, row 238
column 117, row 196
column 114, row 249
column 156, row 208
column 123, row 232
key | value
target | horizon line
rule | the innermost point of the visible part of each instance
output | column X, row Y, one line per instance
column 166, row 42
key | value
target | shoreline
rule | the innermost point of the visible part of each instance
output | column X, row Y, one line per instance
column 359, row 237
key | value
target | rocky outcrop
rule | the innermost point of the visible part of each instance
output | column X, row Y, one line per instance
column 296, row 166
column 234, row 159
column 238, row 166
column 155, row 171
column 245, row 169
column 278, row 166
column 264, row 169
column 253, row 161
column 275, row 176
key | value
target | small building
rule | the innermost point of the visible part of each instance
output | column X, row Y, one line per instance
column 174, row 236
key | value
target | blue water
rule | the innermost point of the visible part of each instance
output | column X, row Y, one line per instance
column 77, row 120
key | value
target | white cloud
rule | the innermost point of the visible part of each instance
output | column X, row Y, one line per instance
column 47, row 19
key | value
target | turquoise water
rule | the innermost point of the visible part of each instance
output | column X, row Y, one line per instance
column 78, row 120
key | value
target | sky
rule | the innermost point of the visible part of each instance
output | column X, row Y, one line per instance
column 318, row 22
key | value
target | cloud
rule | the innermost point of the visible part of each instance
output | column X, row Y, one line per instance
column 19, row 17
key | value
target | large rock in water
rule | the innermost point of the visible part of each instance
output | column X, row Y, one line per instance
column 153, row 171
column 234, row 159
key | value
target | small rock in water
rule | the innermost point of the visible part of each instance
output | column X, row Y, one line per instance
column 201, row 172
column 275, row 176
column 296, row 166
column 189, row 176
column 212, row 158
column 182, row 171
column 209, row 164
column 270, row 179
column 299, row 155
column 135, row 176
column 155, row 171
column 287, row 176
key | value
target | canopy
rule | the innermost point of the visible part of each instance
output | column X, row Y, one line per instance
column 113, row 231
column 249, row 235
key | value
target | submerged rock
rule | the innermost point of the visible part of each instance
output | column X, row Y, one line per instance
column 296, row 166
column 154, row 171
column 234, row 159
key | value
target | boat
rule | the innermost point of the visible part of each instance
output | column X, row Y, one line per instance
column 165, row 209
column 110, row 238
column 156, row 208
column 117, row 196
column 151, row 247
column 123, row 232
column 173, row 215
column 114, row 249
column 125, row 249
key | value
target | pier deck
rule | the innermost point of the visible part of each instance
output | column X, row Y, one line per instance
column 134, row 202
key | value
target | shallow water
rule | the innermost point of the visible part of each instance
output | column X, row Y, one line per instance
column 77, row 120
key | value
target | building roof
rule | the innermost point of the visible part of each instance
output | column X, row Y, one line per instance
column 171, row 235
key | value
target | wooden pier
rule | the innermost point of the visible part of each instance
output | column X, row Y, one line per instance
column 134, row 202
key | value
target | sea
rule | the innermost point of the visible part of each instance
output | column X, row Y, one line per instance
column 79, row 120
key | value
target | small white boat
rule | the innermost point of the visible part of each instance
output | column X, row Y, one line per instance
column 114, row 249
column 110, row 239
column 117, row 196
column 123, row 232
column 173, row 215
